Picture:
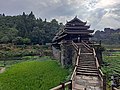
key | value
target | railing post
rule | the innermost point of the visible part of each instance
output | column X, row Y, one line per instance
column 70, row 86
column 63, row 86
column 104, row 82
column 112, row 87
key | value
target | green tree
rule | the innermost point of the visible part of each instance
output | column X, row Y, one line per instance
column 26, row 41
column 18, row 40
column 4, row 39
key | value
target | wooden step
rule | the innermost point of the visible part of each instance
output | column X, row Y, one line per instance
column 87, row 60
column 93, row 69
column 86, row 53
column 87, row 74
column 86, row 63
column 86, row 56
column 86, row 71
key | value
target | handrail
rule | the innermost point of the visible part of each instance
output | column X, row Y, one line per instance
column 86, row 45
column 74, row 71
column 115, row 88
column 62, row 86
column 75, row 45
column 57, row 87
column 78, row 57
column 101, row 74
column 97, row 63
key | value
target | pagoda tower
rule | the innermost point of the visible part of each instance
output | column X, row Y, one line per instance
column 74, row 30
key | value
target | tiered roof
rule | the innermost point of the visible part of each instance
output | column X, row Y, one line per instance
column 73, row 27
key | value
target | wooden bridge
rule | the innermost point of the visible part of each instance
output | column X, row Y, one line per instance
column 87, row 74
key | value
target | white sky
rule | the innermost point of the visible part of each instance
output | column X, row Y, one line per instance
column 99, row 13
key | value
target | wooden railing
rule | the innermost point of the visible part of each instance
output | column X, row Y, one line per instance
column 113, row 88
column 101, row 75
column 68, row 85
column 103, row 78
column 75, row 45
column 86, row 45
column 63, row 86
column 97, row 63
column 74, row 71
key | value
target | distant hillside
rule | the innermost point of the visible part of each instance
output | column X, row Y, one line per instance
column 108, row 36
column 26, row 29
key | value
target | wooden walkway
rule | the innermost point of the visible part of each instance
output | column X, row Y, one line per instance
column 87, row 74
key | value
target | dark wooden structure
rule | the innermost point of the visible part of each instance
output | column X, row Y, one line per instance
column 72, row 47
column 75, row 30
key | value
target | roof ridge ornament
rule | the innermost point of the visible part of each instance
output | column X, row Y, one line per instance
column 76, row 16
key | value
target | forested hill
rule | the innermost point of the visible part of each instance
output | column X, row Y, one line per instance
column 27, row 29
column 108, row 36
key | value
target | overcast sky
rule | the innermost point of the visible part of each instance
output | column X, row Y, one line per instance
column 98, row 13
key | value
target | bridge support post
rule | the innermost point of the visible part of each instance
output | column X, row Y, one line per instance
column 63, row 86
column 70, row 86
column 104, row 82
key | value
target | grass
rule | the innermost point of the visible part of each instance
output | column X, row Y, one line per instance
column 33, row 75
column 9, row 62
column 10, row 51
column 112, row 64
column 114, row 47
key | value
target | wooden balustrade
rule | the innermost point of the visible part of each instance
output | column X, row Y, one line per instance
column 97, row 63
column 63, row 86
column 86, row 45
column 113, row 88
column 103, row 78
column 101, row 75
column 75, row 45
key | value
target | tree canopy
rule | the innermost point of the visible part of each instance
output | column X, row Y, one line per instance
column 108, row 36
column 27, row 29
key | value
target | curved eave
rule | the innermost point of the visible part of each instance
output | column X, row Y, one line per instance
column 59, row 37
column 77, row 32
column 77, row 27
column 75, row 24
column 91, row 31
column 60, row 32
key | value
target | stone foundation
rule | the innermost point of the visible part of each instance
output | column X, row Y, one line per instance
column 66, row 54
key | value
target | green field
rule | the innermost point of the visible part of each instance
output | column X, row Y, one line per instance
column 33, row 75
column 111, row 64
